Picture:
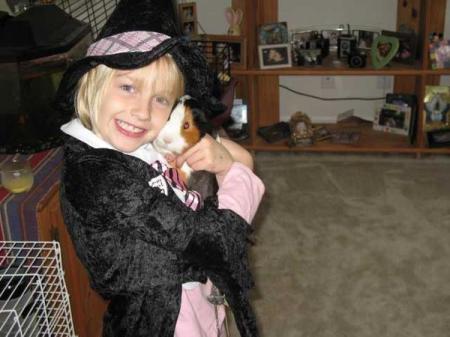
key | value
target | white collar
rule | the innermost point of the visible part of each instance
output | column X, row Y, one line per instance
column 77, row 130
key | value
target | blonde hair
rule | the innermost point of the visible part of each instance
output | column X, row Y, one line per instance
column 165, row 76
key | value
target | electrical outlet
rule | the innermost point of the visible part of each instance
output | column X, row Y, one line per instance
column 327, row 82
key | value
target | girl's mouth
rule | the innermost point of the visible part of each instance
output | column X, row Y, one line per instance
column 129, row 129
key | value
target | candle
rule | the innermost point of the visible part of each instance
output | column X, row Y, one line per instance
column 17, row 175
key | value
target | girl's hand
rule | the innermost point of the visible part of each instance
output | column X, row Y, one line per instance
column 208, row 155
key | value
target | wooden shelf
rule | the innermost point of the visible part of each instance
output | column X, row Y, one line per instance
column 335, row 67
column 370, row 141
column 324, row 71
column 260, row 87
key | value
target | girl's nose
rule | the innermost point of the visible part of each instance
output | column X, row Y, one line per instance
column 141, row 109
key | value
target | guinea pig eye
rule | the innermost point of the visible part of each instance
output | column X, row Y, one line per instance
column 186, row 125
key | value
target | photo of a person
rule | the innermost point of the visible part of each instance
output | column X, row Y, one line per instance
column 275, row 56
column 384, row 48
column 392, row 118
column 365, row 38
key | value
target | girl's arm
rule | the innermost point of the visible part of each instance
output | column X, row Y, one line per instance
column 230, row 162
column 238, row 153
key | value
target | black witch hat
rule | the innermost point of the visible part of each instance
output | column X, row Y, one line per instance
column 137, row 33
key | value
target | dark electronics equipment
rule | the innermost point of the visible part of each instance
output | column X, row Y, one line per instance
column 357, row 59
column 317, row 41
column 346, row 43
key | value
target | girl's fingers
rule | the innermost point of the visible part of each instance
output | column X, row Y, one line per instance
column 207, row 155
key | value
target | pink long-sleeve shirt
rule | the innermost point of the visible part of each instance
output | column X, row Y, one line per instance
column 240, row 191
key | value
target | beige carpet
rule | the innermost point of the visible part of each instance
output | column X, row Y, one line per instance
column 353, row 246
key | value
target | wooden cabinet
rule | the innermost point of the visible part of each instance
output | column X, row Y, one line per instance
column 261, row 87
column 87, row 306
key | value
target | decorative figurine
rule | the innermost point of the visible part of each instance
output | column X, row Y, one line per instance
column 234, row 19
column 302, row 132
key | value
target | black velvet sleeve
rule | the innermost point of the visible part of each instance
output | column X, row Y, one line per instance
column 126, row 228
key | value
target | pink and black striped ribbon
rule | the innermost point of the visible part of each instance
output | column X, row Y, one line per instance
column 128, row 42
column 190, row 198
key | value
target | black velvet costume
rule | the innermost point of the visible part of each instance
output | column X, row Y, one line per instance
column 140, row 245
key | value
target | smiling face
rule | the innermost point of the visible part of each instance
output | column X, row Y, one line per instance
column 135, row 104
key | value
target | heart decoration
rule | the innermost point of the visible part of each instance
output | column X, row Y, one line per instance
column 383, row 50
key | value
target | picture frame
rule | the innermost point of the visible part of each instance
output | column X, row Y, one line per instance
column 406, row 100
column 440, row 54
column 407, row 49
column 212, row 45
column 332, row 35
column 436, row 107
column 439, row 138
column 275, row 56
column 273, row 33
column 393, row 118
column 364, row 38
column 188, row 18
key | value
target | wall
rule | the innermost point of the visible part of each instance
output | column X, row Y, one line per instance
column 383, row 15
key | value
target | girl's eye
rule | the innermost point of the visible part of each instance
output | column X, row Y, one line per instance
column 186, row 125
column 127, row 88
column 162, row 100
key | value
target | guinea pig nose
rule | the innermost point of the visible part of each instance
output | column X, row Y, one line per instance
column 167, row 140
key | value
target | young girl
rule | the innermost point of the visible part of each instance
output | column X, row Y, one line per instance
column 145, row 251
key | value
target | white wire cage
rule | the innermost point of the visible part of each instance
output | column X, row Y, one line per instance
column 34, row 301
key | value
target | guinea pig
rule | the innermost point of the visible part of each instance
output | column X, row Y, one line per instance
column 186, row 126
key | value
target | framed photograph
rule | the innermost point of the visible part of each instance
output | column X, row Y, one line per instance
column 230, row 49
column 332, row 35
column 275, row 56
column 273, row 33
column 407, row 49
column 437, row 107
column 440, row 54
column 364, row 38
column 300, row 38
column 439, row 138
column 406, row 100
column 188, row 18
column 393, row 118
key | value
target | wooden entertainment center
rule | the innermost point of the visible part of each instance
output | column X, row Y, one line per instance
column 260, row 87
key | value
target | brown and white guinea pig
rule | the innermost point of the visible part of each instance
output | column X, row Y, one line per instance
column 186, row 126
